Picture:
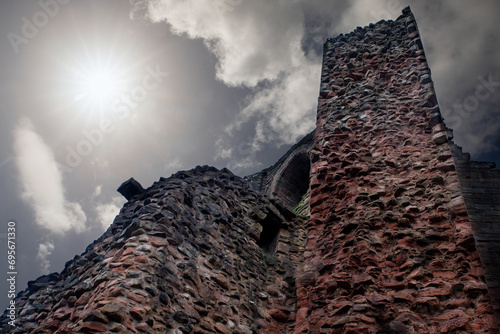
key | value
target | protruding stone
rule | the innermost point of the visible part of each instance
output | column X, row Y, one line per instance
column 130, row 188
column 440, row 137
column 425, row 79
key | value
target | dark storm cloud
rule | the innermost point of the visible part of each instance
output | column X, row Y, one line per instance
column 463, row 46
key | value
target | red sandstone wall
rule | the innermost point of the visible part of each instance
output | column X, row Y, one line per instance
column 390, row 246
column 183, row 257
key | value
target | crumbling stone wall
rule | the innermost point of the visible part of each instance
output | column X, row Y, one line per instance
column 370, row 233
column 390, row 245
column 199, row 252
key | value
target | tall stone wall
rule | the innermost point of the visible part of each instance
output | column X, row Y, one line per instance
column 199, row 252
column 390, row 245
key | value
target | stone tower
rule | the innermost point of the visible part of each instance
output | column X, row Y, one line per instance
column 390, row 243
column 361, row 227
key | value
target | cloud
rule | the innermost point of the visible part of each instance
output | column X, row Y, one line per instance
column 106, row 212
column 243, row 154
column 97, row 190
column 274, row 48
column 287, row 109
column 41, row 183
column 172, row 165
column 44, row 251
column 262, row 45
column 462, row 44
column 253, row 42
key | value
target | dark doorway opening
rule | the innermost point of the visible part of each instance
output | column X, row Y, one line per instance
column 271, row 226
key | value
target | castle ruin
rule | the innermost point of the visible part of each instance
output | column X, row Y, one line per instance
column 376, row 222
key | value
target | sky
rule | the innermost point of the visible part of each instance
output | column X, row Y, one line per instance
column 95, row 92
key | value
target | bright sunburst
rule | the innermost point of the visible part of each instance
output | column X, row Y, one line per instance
column 98, row 86
column 96, row 74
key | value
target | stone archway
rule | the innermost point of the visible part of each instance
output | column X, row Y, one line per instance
column 292, row 181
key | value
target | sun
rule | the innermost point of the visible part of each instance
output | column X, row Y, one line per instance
column 98, row 86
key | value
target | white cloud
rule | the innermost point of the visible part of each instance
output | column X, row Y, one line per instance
column 238, row 165
column 173, row 165
column 222, row 151
column 44, row 251
column 97, row 190
column 106, row 212
column 41, row 182
column 288, row 107
column 259, row 45
column 272, row 46
column 255, row 41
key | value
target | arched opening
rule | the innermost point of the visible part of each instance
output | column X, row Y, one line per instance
column 294, row 180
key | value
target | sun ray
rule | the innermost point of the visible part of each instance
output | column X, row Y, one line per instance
column 98, row 85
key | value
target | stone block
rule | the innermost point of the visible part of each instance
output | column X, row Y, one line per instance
column 130, row 188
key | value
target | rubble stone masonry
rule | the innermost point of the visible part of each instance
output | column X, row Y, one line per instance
column 198, row 252
column 390, row 245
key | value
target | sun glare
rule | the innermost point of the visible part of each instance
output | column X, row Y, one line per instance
column 98, row 87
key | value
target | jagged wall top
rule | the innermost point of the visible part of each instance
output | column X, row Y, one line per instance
column 406, row 15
